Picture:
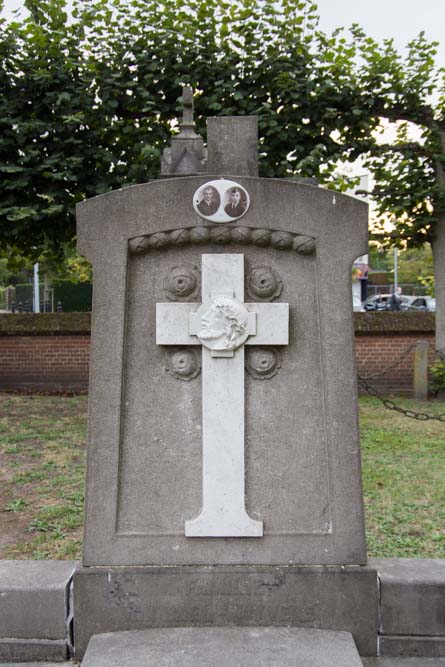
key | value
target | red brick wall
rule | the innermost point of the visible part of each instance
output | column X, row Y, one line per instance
column 50, row 352
column 375, row 352
column 60, row 363
column 44, row 363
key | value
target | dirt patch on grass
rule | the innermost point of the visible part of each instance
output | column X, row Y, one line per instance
column 42, row 458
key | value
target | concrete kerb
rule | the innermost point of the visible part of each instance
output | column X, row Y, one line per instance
column 411, row 606
column 35, row 610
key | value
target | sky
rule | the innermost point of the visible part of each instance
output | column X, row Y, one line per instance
column 400, row 19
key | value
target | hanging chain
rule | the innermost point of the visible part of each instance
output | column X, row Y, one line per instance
column 388, row 403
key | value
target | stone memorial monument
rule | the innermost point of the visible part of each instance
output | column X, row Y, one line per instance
column 223, row 482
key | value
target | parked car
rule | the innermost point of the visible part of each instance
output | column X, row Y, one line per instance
column 381, row 301
column 426, row 303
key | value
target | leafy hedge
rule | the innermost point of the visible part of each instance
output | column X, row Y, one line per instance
column 75, row 297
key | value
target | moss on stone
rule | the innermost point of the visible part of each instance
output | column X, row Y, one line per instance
column 392, row 322
column 45, row 324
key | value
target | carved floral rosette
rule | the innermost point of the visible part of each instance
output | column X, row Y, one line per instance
column 223, row 235
column 263, row 283
column 184, row 363
column 182, row 283
column 262, row 363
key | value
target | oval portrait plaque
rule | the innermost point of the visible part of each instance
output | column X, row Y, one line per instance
column 221, row 201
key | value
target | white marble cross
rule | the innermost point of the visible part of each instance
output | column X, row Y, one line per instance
column 223, row 324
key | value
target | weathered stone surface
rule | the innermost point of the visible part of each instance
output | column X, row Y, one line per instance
column 27, row 650
column 302, row 446
column 412, row 595
column 223, row 647
column 402, row 645
column 232, row 145
column 337, row 598
column 33, row 598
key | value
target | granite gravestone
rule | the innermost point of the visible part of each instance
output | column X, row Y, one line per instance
column 223, row 410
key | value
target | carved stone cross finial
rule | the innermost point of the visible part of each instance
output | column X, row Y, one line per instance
column 187, row 102
column 187, row 155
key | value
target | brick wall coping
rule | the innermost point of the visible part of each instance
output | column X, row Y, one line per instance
column 45, row 324
column 394, row 323
column 65, row 324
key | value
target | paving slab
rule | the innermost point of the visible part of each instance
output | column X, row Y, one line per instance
column 223, row 647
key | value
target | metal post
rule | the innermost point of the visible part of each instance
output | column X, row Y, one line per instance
column 36, row 288
column 421, row 370
column 396, row 269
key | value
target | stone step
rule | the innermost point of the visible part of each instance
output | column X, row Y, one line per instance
column 66, row 663
column 223, row 647
column 367, row 662
column 403, row 662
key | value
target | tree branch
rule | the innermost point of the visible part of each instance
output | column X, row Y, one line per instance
column 423, row 115
column 405, row 146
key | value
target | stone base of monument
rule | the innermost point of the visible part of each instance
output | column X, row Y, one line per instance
column 223, row 647
column 135, row 598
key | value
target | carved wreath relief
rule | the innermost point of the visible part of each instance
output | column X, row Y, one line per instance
column 221, row 200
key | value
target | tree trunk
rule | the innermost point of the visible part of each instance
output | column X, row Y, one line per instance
column 438, row 246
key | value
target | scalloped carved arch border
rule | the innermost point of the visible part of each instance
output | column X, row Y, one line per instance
column 222, row 235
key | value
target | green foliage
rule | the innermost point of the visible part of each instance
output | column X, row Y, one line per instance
column 5, row 273
column 414, row 266
column 437, row 372
column 87, row 104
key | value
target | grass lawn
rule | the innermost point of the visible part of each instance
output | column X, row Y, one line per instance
column 42, row 452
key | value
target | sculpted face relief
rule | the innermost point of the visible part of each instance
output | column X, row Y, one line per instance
column 224, row 324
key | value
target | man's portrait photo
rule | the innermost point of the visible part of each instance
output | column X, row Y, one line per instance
column 209, row 202
column 236, row 202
